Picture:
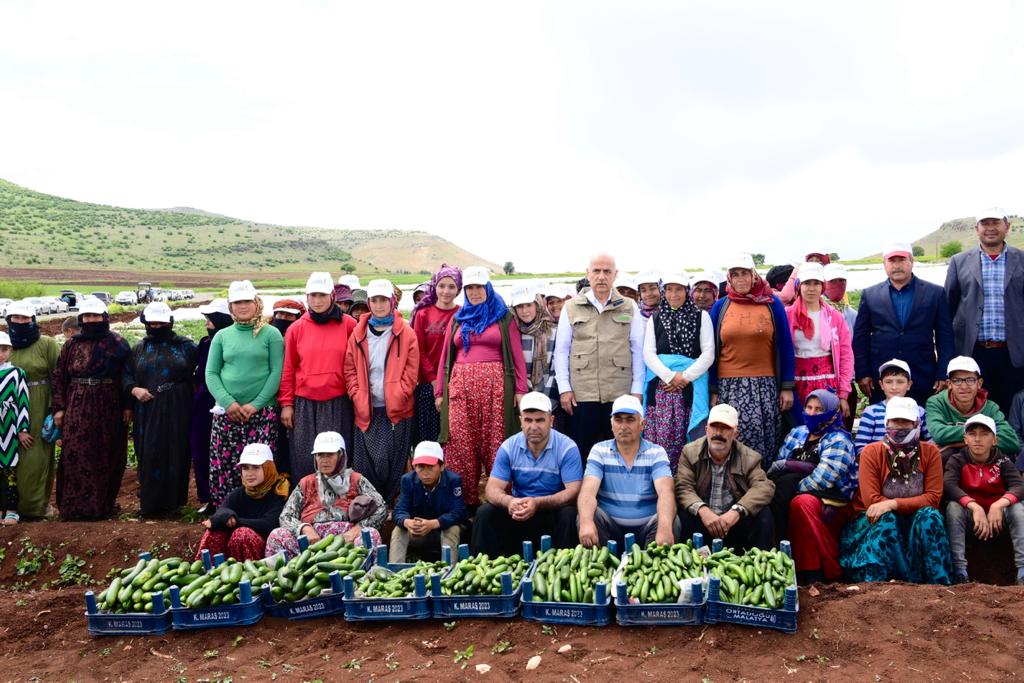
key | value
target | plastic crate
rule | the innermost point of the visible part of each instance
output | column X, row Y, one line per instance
column 486, row 606
column 584, row 614
column 781, row 619
column 102, row 623
column 323, row 605
column 247, row 611
column 660, row 613
column 415, row 606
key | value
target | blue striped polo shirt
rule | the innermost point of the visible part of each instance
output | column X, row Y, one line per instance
column 627, row 494
column 559, row 464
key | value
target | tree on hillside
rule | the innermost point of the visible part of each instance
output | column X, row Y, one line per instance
column 951, row 249
column 833, row 256
column 758, row 259
column 348, row 267
column 509, row 268
column 918, row 251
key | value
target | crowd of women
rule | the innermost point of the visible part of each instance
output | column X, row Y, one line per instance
column 301, row 419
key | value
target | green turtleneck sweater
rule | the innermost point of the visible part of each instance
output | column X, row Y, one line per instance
column 245, row 369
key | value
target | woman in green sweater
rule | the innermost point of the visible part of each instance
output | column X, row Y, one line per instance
column 243, row 373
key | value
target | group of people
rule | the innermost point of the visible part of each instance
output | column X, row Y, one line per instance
column 659, row 404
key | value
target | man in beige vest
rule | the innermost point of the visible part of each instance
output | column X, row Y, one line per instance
column 598, row 354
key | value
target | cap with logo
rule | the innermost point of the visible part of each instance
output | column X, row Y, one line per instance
column 535, row 401
column 92, row 305
column 965, row 363
column 427, row 453
column 157, row 312
column 256, row 454
column 835, row 271
column 898, row 249
column 991, row 212
column 901, row 408
column 241, row 290
column 723, row 414
column 381, row 287
column 741, row 260
column 894, row 363
column 811, row 271
column 215, row 306
column 320, row 283
column 20, row 308
column 983, row 420
column 475, row 275
column 328, row 442
column 522, row 295
column 629, row 404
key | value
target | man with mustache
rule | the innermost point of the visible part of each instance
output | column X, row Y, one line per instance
column 721, row 490
column 985, row 286
column 903, row 317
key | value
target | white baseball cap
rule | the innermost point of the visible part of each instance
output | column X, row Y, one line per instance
column 894, row 363
column 522, row 295
column 675, row 279
column 157, row 312
column 381, row 287
column 979, row 419
column 328, row 442
column 554, row 291
column 627, row 403
column 320, row 283
column 811, row 271
column 241, row 290
column 215, row 306
column 535, row 401
column 835, row 271
column 724, row 414
column 898, row 249
column 21, row 308
column 965, row 363
column 256, row 454
column 626, row 280
column 475, row 275
column 648, row 277
column 351, row 280
column 5, row 339
column 92, row 305
column 704, row 276
column 427, row 453
column 742, row 260
column 991, row 212
column 901, row 408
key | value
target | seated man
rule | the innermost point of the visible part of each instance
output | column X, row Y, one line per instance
column 721, row 489
column 984, row 489
column 894, row 379
column 627, row 486
column 544, row 468
column 429, row 508
column 948, row 411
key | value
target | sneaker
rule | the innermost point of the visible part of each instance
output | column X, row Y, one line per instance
column 10, row 519
column 961, row 577
column 1020, row 576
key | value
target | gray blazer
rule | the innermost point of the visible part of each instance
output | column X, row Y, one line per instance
column 965, row 294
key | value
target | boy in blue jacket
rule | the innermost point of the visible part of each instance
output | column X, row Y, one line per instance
column 430, row 507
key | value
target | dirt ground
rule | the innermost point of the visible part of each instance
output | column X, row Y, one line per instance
column 880, row 632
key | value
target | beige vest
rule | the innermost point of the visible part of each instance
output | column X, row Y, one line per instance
column 600, row 361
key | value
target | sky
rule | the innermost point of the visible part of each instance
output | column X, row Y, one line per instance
column 670, row 134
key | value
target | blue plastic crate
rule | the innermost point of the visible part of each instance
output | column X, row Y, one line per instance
column 415, row 606
column 781, row 619
column 486, row 606
column 323, row 605
column 660, row 613
column 247, row 611
column 580, row 613
column 102, row 623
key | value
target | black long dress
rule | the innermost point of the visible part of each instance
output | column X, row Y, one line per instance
column 161, row 426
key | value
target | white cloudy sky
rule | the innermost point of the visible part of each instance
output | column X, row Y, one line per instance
column 537, row 132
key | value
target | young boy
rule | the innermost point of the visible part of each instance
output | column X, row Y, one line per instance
column 430, row 507
column 13, row 429
column 984, row 489
column 894, row 376
column 966, row 397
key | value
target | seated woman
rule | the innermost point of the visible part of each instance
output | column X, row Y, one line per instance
column 332, row 500
column 815, row 477
column 240, row 526
column 899, row 532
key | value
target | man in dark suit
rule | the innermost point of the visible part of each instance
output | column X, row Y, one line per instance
column 906, row 318
column 985, row 289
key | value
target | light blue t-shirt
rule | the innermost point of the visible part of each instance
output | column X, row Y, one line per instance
column 627, row 494
column 559, row 464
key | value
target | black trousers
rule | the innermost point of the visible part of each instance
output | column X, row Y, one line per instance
column 589, row 423
column 496, row 533
column 1002, row 380
column 753, row 531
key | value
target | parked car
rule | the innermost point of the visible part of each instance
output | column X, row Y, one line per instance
column 189, row 294
column 41, row 305
column 57, row 305
column 4, row 303
column 70, row 298
column 104, row 297
column 126, row 299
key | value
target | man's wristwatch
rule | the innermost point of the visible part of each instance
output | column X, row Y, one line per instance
column 740, row 510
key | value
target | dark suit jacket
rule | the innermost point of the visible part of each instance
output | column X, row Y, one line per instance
column 966, row 294
column 925, row 343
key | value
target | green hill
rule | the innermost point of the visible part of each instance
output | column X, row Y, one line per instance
column 962, row 230
column 42, row 231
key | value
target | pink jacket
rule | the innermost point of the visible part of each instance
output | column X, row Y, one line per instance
column 842, row 346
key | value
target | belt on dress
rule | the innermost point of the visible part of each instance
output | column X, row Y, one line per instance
column 991, row 344
column 165, row 387
column 39, row 383
column 90, row 381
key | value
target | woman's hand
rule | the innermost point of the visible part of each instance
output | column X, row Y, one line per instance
column 142, row 394
column 310, row 533
column 206, row 523
column 126, row 415
column 234, row 412
column 679, row 382
column 876, row 510
column 353, row 533
column 437, row 403
column 844, row 406
column 26, row 439
column 58, row 418
column 517, row 398
column 712, row 399
column 248, row 410
column 287, row 415
column 785, row 399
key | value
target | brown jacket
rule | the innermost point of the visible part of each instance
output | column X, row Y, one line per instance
column 748, row 483
column 400, row 372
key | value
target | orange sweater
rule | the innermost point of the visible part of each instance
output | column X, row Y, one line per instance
column 874, row 468
column 748, row 342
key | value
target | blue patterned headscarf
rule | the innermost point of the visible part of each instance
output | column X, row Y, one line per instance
column 476, row 319
column 829, row 421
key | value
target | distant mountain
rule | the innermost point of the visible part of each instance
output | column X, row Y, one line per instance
column 962, row 230
column 42, row 231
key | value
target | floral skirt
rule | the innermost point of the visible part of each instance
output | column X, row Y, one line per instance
column 756, row 399
column 812, row 374
column 667, row 423
column 911, row 548
column 476, row 423
column 281, row 539
column 228, row 439
column 241, row 543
